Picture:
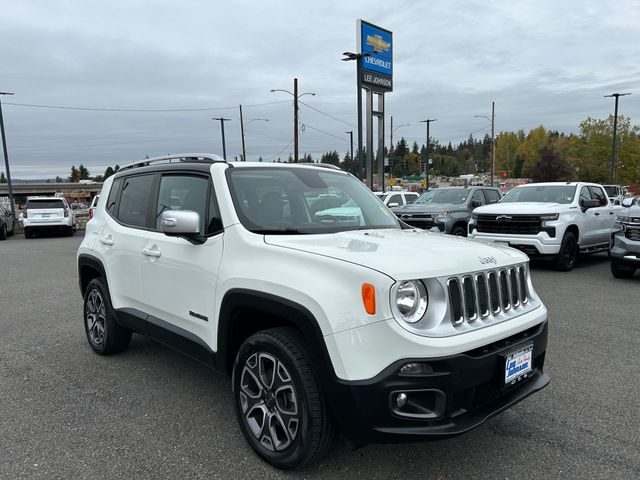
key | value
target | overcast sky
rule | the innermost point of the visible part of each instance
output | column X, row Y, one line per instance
column 542, row 62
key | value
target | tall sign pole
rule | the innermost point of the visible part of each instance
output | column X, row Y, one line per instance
column 428, row 122
column 295, row 120
column 224, row 146
column 493, row 140
column 6, row 159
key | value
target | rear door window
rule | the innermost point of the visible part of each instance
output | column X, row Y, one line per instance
column 53, row 203
column 134, row 200
column 492, row 196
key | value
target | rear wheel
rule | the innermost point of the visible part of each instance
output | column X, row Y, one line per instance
column 104, row 334
column 70, row 231
column 622, row 271
column 27, row 233
column 566, row 258
column 278, row 403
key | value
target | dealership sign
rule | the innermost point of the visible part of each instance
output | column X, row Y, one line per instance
column 376, row 69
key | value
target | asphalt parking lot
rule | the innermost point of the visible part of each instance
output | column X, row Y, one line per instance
column 153, row 413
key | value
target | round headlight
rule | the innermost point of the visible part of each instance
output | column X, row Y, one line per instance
column 411, row 300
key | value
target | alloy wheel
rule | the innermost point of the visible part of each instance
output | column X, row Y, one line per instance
column 95, row 316
column 269, row 401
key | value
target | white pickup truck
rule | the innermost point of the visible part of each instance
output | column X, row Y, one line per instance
column 549, row 219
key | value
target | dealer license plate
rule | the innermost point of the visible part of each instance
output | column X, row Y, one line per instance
column 518, row 364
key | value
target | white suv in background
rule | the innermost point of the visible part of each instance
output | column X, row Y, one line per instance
column 397, row 198
column 549, row 219
column 323, row 322
column 47, row 214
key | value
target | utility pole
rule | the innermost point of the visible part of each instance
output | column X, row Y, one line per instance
column 295, row 114
column 350, row 132
column 614, row 147
column 295, row 120
column 224, row 147
column 493, row 140
column 6, row 160
column 428, row 122
column 244, row 151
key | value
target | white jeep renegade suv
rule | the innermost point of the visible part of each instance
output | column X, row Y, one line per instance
column 353, row 322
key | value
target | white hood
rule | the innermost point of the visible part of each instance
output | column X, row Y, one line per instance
column 525, row 208
column 404, row 254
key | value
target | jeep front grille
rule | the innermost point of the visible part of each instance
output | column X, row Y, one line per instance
column 491, row 293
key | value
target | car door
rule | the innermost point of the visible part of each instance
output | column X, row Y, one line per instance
column 179, row 278
column 604, row 214
column 121, row 238
column 588, row 232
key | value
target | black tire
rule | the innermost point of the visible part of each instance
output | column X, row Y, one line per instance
column 3, row 232
column 622, row 271
column 566, row 258
column 70, row 231
column 314, row 429
column 27, row 233
column 104, row 334
column 459, row 231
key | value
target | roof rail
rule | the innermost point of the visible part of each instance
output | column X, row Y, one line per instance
column 328, row 165
column 179, row 157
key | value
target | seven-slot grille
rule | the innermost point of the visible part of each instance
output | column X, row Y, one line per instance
column 509, row 224
column 487, row 293
column 633, row 230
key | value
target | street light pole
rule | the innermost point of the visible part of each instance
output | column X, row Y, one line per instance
column 6, row 159
column 224, row 147
column 295, row 114
column 244, row 151
column 350, row 132
column 493, row 138
column 614, row 147
column 428, row 122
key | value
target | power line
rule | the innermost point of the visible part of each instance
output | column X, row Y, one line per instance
column 326, row 133
column 139, row 110
column 327, row 114
column 285, row 147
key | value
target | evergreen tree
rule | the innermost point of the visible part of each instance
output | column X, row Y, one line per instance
column 108, row 172
column 75, row 174
column 83, row 173
column 3, row 178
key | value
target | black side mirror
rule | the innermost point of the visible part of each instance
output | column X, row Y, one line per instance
column 475, row 203
column 587, row 204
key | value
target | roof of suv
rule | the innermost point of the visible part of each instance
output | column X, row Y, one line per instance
column 202, row 162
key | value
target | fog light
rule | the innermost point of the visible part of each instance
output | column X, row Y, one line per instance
column 416, row 368
column 401, row 400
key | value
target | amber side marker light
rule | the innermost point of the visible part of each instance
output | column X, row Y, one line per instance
column 369, row 298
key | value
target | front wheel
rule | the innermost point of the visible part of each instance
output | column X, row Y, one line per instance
column 278, row 403
column 459, row 231
column 622, row 271
column 566, row 258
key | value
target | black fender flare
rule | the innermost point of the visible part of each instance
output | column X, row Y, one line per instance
column 85, row 260
column 280, row 307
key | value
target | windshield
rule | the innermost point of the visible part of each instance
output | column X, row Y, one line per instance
column 540, row 193
column 445, row 195
column 304, row 201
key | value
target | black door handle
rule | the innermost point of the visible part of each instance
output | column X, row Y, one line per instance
column 597, row 213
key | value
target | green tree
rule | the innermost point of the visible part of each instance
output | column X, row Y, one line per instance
column 108, row 172
column 3, row 178
column 83, row 173
column 550, row 167
column 59, row 179
column 530, row 149
column 75, row 174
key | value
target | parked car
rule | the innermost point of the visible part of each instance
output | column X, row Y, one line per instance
column 397, row 198
column 615, row 193
column 553, row 219
column 47, row 214
column 447, row 210
column 321, row 323
column 7, row 222
column 625, row 243
column 94, row 203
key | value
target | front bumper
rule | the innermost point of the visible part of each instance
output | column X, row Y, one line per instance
column 625, row 251
column 461, row 393
column 540, row 244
